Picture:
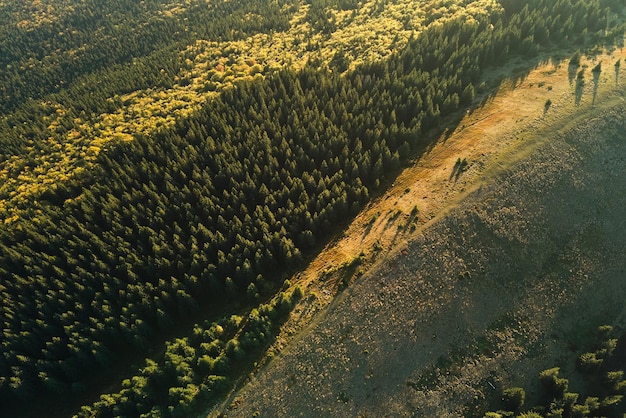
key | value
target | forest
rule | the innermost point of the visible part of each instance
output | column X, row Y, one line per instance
column 198, row 223
column 61, row 56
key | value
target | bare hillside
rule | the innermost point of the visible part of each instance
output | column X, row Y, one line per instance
column 509, row 282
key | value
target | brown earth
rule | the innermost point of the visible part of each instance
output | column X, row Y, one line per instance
column 508, row 265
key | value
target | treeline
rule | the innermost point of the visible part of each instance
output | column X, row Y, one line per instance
column 211, row 211
column 602, row 395
column 195, row 370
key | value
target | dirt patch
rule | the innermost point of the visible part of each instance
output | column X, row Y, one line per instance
column 514, row 254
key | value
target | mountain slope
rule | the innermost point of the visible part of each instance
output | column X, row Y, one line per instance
column 504, row 284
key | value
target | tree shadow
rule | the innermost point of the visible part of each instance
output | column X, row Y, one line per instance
column 391, row 218
column 571, row 73
column 546, row 107
column 368, row 229
column 447, row 133
column 578, row 92
column 459, row 167
column 519, row 78
column 596, row 81
column 618, row 65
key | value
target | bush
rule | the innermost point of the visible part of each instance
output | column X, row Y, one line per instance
column 570, row 399
column 531, row 414
column 297, row 293
column 589, row 362
column 555, row 386
column 233, row 348
column 579, row 411
column 513, row 398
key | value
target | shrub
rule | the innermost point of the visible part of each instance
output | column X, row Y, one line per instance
column 555, row 386
column 530, row 414
column 579, row 411
column 513, row 398
column 570, row 399
column 298, row 293
column 589, row 362
column 233, row 348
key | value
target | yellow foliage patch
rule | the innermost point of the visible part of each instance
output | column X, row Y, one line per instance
column 370, row 33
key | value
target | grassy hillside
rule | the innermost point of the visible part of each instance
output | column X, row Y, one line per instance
column 172, row 163
column 512, row 280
